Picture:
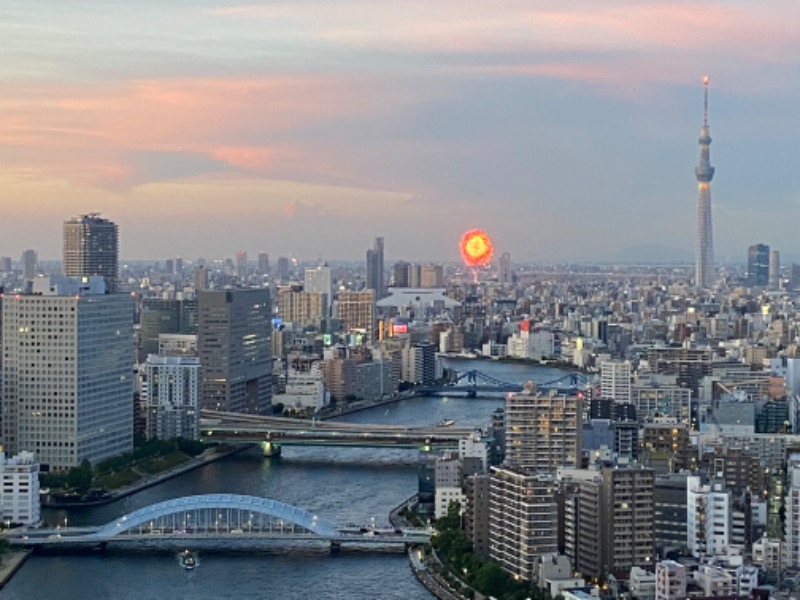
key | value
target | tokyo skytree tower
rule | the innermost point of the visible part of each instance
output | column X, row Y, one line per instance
column 704, row 249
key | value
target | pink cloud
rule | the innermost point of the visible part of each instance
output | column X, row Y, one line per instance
column 84, row 130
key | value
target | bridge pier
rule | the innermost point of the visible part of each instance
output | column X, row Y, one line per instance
column 270, row 449
column 336, row 548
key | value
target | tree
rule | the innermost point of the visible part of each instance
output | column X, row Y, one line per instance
column 80, row 478
column 491, row 580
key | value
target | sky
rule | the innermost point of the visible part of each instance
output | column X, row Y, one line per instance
column 567, row 130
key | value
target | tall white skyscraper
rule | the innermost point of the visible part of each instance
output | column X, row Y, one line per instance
column 68, row 372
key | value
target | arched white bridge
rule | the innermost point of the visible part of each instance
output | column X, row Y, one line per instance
column 220, row 518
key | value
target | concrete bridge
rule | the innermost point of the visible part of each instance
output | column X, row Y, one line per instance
column 273, row 432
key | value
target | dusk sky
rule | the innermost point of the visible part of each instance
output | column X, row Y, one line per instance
column 567, row 130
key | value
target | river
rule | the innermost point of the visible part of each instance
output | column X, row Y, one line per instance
column 344, row 485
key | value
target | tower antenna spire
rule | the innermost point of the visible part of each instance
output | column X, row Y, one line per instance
column 705, row 100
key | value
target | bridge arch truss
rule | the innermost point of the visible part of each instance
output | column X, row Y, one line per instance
column 215, row 514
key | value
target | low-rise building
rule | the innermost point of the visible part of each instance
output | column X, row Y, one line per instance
column 20, row 493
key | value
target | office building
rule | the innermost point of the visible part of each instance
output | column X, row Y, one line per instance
column 241, row 265
column 19, row 500
column 171, row 397
column 704, row 172
column 356, row 310
column 774, row 269
column 543, row 432
column 758, row 265
column 201, row 279
column 669, row 498
column 30, row 264
column 91, row 247
column 263, row 263
column 505, row 275
column 282, row 269
column 235, row 350
column 400, row 276
column 523, row 519
column 301, row 307
column 431, row 276
column 164, row 316
column 68, row 372
column 318, row 280
column 375, row 262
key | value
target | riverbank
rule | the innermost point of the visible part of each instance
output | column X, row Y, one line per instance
column 12, row 561
column 208, row 456
column 361, row 406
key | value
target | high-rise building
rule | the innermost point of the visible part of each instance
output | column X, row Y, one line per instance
column 615, row 380
column 543, row 432
column 505, row 275
column 241, row 265
column 615, row 521
column 6, row 264
column 235, row 350
column 200, row 278
column 282, row 268
column 758, row 265
column 91, row 247
column 160, row 315
column 792, row 509
column 320, row 281
column 263, row 263
column 709, row 517
column 68, row 372
column 357, row 312
column 375, row 261
column 704, row 172
column 30, row 264
column 431, row 276
column 523, row 519
column 400, row 274
column 301, row 307
column 774, row 269
column 419, row 364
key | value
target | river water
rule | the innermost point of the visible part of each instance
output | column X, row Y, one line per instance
column 345, row 485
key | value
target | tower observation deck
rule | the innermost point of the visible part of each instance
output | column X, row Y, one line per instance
column 704, row 172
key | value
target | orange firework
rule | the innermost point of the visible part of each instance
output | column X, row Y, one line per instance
column 476, row 248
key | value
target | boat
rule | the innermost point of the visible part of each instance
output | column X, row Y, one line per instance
column 446, row 423
column 188, row 560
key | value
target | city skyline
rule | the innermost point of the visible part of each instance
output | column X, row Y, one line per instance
column 230, row 126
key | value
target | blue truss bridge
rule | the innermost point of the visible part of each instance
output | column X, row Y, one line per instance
column 475, row 383
column 220, row 520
